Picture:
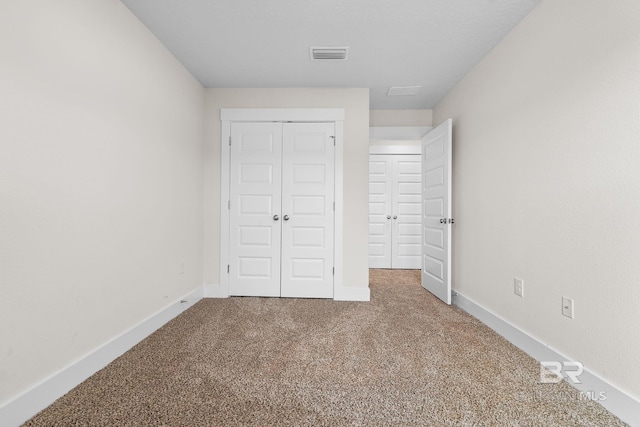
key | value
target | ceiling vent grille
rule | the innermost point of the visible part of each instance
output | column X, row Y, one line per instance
column 329, row 53
column 404, row 90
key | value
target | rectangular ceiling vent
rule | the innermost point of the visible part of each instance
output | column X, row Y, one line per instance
column 329, row 53
column 403, row 90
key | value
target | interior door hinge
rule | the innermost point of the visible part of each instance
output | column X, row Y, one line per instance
column 228, row 268
column 229, row 205
column 334, row 140
column 334, row 206
column 229, row 139
column 333, row 271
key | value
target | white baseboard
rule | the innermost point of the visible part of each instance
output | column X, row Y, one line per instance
column 215, row 291
column 348, row 293
column 618, row 402
column 21, row 408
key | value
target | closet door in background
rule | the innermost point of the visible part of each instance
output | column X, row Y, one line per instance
column 394, row 211
column 406, row 220
column 380, row 188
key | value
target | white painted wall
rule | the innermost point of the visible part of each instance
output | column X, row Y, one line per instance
column 547, row 181
column 400, row 117
column 100, row 182
column 355, row 101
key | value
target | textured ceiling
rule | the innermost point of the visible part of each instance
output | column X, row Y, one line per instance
column 265, row 43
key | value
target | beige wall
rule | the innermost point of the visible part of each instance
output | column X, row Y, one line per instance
column 547, row 181
column 355, row 101
column 100, row 182
column 400, row 117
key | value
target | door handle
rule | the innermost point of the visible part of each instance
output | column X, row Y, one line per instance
column 388, row 216
column 276, row 217
column 395, row 217
column 286, row 217
column 443, row 220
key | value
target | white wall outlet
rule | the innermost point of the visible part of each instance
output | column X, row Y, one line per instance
column 518, row 287
column 567, row 307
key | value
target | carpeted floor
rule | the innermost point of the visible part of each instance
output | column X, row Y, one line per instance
column 404, row 359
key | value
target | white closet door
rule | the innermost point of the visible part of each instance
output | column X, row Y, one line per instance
column 255, row 223
column 406, row 216
column 307, row 210
column 394, row 211
column 380, row 199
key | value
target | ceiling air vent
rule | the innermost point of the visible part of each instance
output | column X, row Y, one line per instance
column 329, row 53
column 403, row 90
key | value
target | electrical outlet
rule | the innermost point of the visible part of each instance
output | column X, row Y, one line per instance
column 567, row 307
column 518, row 287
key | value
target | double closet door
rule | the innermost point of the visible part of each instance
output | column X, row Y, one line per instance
column 395, row 211
column 281, row 228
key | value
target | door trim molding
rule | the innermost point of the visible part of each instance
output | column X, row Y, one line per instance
column 282, row 114
column 397, row 134
column 304, row 115
column 412, row 149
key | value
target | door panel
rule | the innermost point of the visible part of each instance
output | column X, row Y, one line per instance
column 255, row 237
column 380, row 171
column 436, row 207
column 307, row 210
column 407, row 212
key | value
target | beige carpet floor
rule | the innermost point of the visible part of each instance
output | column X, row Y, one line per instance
column 404, row 359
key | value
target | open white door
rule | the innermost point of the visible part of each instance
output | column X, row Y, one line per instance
column 436, row 211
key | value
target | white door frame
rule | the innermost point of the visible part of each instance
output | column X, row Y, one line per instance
column 304, row 115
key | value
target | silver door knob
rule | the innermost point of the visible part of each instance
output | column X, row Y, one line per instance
column 442, row 220
column 286, row 217
column 276, row 217
column 388, row 216
column 395, row 217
